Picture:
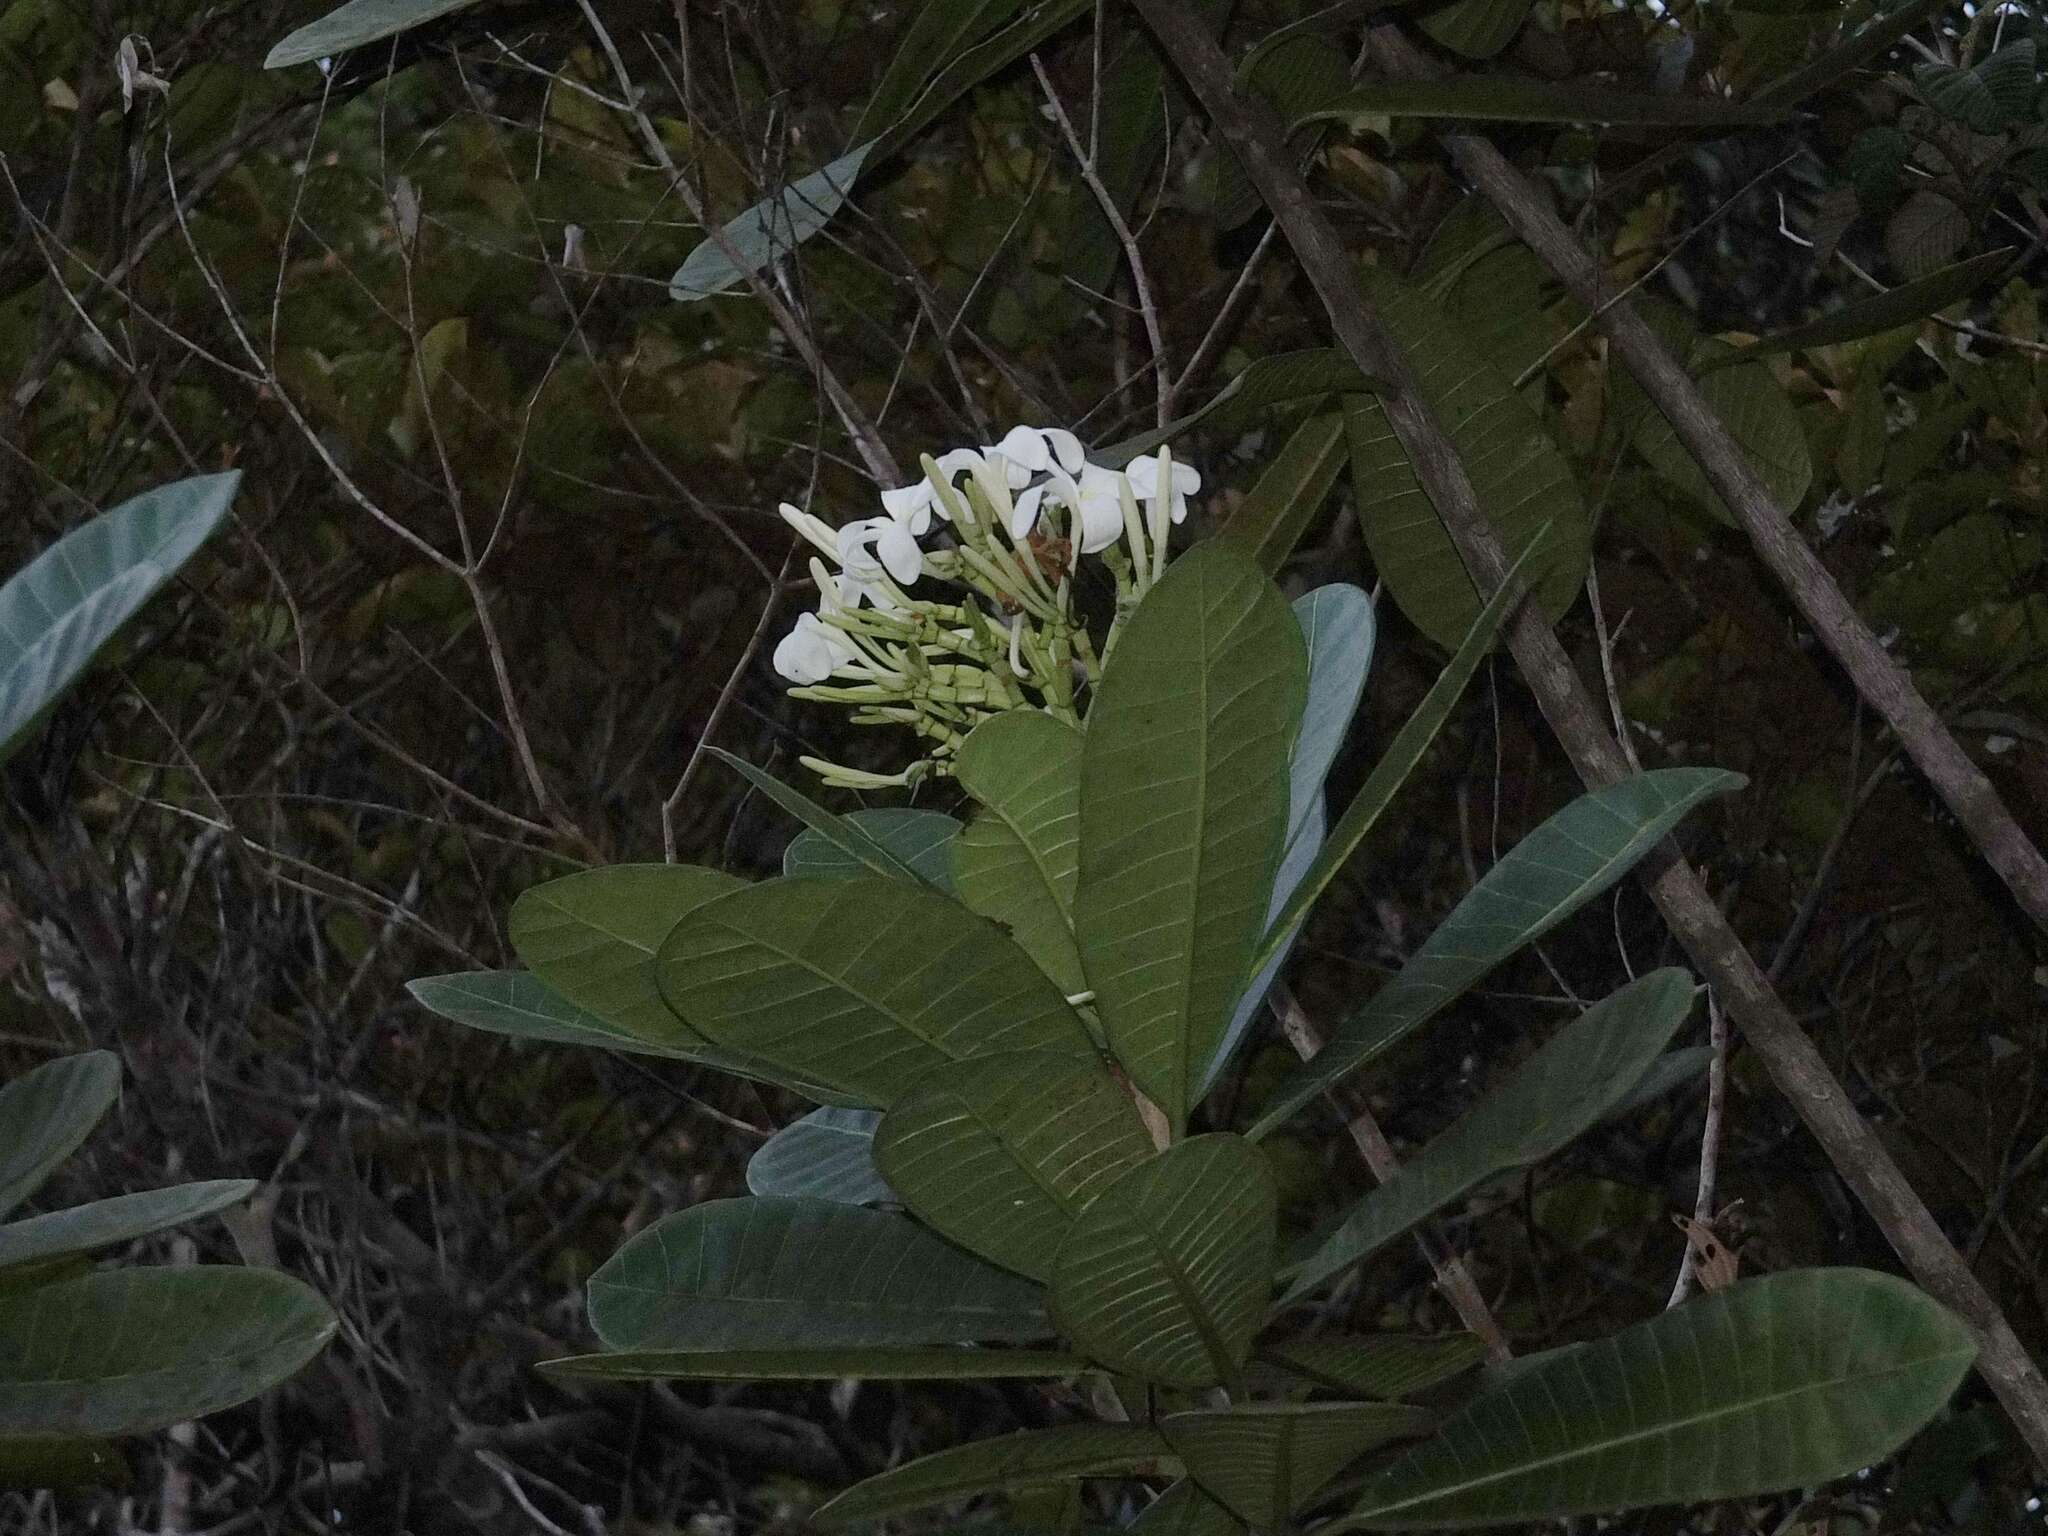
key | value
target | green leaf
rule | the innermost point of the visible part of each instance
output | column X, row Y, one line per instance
column 1866, row 44
column 592, row 937
column 58, row 611
column 939, row 31
column 1284, row 500
column 780, row 1274
column 1184, row 1510
column 104, row 1223
column 1001, row 1152
column 907, row 1363
column 1183, row 810
column 127, row 1351
column 1281, row 379
column 1542, row 880
column 919, row 840
column 53, row 1461
column 1380, row 1366
column 1996, row 94
column 852, row 838
column 1264, row 1461
column 861, row 985
column 827, row 1155
column 1904, row 305
column 1674, row 1069
column 1477, row 29
column 47, row 1113
column 1016, row 863
column 1295, row 74
column 1522, row 481
column 1781, row 1382
column 986, row 58
column 1757, row 413
column 768, row 231
column 991, row 1466
column 1925, row 233
column 357, row 23
column 1167, row 1273
column 1505, row 98
column 1560, row 1092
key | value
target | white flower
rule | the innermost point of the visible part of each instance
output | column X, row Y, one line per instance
column 1029, row 451
column 1099, row 507
column 1144, row 475
column 914, row 504
column 812, row 651
column 875, row 544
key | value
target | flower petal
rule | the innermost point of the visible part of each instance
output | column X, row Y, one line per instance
column 1024, row 512
column 1066, row 449
column 900, row 554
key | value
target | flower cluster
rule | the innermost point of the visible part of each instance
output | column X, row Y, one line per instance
column 1003, row 526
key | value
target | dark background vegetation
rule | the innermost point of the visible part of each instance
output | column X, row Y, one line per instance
column 304, row 779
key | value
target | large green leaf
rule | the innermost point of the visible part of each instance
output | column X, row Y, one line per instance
column 1001, row 1152
column 1760, row 417
column 59, row 610
column 851, row 837
column 1478, row 29
column 1264, row 1461
column 1513, row 99
column 768, row 231
column 46, row 1113
column 1285, row 499
column 931, row 1362
column 1294, row 73
column 920, row 840
column 1167, row 1273
column 827, row 1155
column 1881, row 312
column 1016, row 862
column 1542, row 880
column 988, row 1466
column 1184, row 800
column 127, row 1351
column 800, row 1274
column 1380, row 1366
column 1185, row 1510
column 861, row 985
column 1523, row 483
column 1561, row 1091
column 357, row 23
column 1781, row 1382
column 122, row 1219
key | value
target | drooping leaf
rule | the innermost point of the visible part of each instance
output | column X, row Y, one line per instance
column 827, row 1155
column 1269, row 381
column 1166, row 1275
column 1505, row 98
column 127, row 1351
column 768, row 231
column 850, row 837
column 1779, row 1382
column 1185, row 1510
column 1523, row 482
column 939, row 32
column 1018, row 1460
column 122, row 1219
column 1001, row 1152
column 1285, row 499
column 861, row 985
column 1560, row 1092
column 1881, row 312
column 1016, row 862
column 1760, row 417
column 58, row 611
column 1264, row 1461
column 934, row 1362
column 790, row 1274
column 1385, row 1366
column 357, row 23
column 1542, row 880
column 920, row 840
column 1183, row 811
column 46, row 1113
column 1477, row 29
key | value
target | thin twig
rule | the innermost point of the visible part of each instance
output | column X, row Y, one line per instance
column 1710, row 1146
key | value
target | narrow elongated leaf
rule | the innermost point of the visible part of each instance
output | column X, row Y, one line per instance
column 1560, row 1092
column 1903, row 305
column 920, row 840
column 1760, row 417
column 1381, row 1365
column 1185, row 1510
column 850, row 837
column 1671, row 1070
column 1264, row 1461
column 127, row 1351
column 1183, row 811
column 779, row 1274
column 861, row 985
column 1166, row 1274
column 104, row 1223
column 1505, row 98
column 939, row 32
column 991, row 1466
column 1478, row 29
column 1542, row 880
column 1001, row 1152
column 1269, row 381
column 827, row 1155
column 357, row 23
column 1296, row 74
column 591, row 938
column 1523, row 483
column 46, row 1113
column 1016, row 862
column 769, row 230
column 937, row 1362
column 969, row 69
column 58, row 611
column 1781, row 1382
column 1286, row 498
column 1868, row 42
